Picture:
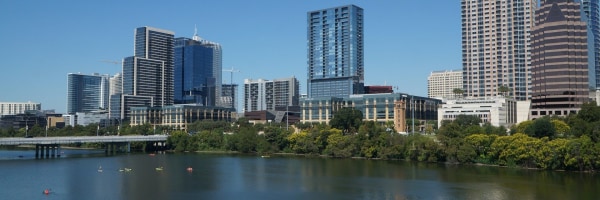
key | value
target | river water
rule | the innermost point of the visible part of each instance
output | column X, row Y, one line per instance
column 231, row 176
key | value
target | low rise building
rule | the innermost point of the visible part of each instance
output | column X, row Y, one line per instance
column 497, row 111
column 178, row 116
column 382, row 108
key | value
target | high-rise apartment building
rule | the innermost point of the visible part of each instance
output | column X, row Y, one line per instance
column 335, row 52
column 441, row 84
column 198, row 71
column 591, row 14
column 15, row 108
column 148, row 75
column 269, row 95
column 496, row 47
column 87, row 93
column 150, row 71
column 559, row 59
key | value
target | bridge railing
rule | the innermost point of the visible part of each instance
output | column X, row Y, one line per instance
column 82, row 139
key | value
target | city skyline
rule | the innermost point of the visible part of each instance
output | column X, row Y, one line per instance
column 44, row 41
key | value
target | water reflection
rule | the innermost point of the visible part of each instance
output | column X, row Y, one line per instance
column 250, row 177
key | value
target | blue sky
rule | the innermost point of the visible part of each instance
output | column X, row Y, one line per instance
column 42, row 41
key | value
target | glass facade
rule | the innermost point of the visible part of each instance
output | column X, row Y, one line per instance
column 335, row 52
column 149, row 73
column 86, row 93
column 591, row 14
column 197, row 70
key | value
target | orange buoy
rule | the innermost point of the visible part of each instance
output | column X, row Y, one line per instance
column 46, row 191
column 189, row 169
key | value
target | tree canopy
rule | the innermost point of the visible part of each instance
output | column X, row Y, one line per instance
column 347, row 119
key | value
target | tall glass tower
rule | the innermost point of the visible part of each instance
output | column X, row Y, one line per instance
column 335, row 52
column 591, row 14
column 198, row 68
column 86, row 93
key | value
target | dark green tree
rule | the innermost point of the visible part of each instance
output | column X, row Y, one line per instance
column 542, row 127
column 347, row 119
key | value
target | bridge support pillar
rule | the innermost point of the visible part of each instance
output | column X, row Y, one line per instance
column 128, row 147
column 58, row 150
column 37, row 151
column 47, row 151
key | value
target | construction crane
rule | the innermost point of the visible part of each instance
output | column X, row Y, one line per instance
column 231, row 79
column 113, row 62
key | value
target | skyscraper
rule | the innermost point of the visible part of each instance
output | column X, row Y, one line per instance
column 496, row 46
column 148, row 75
column 268, row 95
column 198, row 71
column 591, row 14
column 150, row 72
column 335, row 52
column 86, row 93
column 559, row 59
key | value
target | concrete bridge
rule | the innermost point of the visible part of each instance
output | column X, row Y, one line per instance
column 50, row 146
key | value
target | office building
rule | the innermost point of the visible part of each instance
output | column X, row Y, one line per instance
column 381, row 108
column 441, row 84
column 496, row 47
column 591, row 14
column 335, row 52
column 560, row 59
column 86, row 93
column 148, row 75
column 268, row 95
column 15, row 108
column 198, row 69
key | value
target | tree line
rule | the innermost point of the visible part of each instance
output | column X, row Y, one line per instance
column 557, row 143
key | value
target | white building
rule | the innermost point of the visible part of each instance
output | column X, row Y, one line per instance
column 116, row 84
column 14, row 108
column 441, row 84
column 268, row 95
column 498, row 111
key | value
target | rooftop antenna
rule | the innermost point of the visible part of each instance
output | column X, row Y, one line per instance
column 196, row 37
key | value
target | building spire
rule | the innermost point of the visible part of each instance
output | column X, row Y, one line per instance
column 196, row 37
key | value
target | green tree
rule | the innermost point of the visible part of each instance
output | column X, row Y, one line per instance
column 347, row 119
column 467, row 120
column 503, row 89
column 524, row 126
column 542, row 127
column 339, row 145
column 560, row 126
column 458, row 92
